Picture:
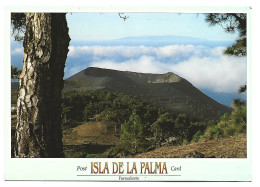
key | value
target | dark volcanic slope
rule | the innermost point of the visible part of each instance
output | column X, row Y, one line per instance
column 167, row 90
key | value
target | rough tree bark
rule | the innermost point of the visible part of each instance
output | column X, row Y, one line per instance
column 38, row 130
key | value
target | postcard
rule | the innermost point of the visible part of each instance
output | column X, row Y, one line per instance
column 141, row 94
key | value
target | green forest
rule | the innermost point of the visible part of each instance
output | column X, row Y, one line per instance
column 141, row 126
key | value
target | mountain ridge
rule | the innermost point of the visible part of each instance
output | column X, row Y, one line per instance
column 164, row 90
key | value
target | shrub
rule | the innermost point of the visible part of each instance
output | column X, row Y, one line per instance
column 229, row 131
column 229, row 125
column 197, row 136
column 132, row 139
column 214, row 132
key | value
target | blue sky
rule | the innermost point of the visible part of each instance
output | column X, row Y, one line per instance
column 103, row 26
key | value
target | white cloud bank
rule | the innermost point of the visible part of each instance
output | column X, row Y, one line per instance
column 136, row 51
column 204, row 67
column 145, row 64
column 224, row 74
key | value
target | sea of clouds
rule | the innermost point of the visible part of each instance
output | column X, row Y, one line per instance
column 205, row 67
column 202, row 64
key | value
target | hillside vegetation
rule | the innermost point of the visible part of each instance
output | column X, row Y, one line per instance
column 139, row 124
column 106, row 113
column 130, row 126
column 168, row 90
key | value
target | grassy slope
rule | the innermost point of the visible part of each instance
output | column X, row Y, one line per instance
column 88, row 140
column 231, row 147
column 89, row 133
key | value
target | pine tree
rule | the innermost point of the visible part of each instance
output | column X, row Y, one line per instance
column 46, row 41
column 132, row 140
column 163, row 128
column 231, row 22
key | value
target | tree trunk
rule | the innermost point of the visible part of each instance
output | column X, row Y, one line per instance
column 38, row 130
